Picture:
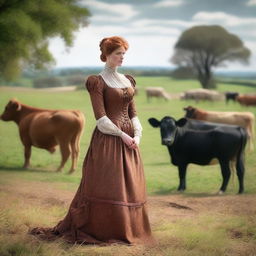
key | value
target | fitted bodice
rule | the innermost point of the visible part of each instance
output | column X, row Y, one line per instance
column 115, row 103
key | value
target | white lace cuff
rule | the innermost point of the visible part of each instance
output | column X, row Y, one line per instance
column 137, row 140
column 137, row 127
column 106, row 126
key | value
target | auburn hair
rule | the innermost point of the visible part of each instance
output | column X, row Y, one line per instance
column 110, row 44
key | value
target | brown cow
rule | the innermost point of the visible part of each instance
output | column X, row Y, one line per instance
column 44, row 128
column 157, row 92
column 246, row 100
column 243, row 119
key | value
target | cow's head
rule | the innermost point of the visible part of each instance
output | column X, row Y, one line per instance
column 11, row 110
column 168, row 128
column 190, row 112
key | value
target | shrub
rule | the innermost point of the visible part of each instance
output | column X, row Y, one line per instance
column 47, row 82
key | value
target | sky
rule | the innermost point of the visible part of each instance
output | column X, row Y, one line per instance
column 152, row 27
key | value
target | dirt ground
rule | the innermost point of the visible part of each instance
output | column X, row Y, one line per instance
column 168, row 207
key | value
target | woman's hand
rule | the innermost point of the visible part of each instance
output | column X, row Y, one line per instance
column 129, row 141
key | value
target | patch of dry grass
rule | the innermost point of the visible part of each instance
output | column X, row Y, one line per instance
column 182, row 225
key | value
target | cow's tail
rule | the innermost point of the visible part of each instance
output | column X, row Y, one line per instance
column 252, row 132
column 241, row 152
column 239, row 155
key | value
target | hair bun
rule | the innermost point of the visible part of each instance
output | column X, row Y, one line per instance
column 103, row 57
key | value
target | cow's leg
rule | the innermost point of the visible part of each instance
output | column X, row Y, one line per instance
column 240, row 174
column 182, row 176
column 250, row 131
column 75, row 148
column 65, row 153
column 27, row 154
column 74, row 156
column 251, row 146
column 225, row 171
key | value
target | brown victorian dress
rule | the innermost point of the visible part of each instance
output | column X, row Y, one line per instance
column 110, row 203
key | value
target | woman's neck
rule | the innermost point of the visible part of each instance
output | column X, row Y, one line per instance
column 111, row 69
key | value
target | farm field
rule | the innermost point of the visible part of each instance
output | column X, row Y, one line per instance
column 197, row 222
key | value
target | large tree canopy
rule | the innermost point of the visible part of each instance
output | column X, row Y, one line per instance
column 26, row 26
column 205, row 47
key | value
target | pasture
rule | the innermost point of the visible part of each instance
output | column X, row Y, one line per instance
column 197, row 222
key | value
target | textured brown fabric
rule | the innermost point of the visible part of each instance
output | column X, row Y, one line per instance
column 110, row 203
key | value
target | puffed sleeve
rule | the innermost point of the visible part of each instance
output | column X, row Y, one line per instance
column 95, row 88
column 131, row 109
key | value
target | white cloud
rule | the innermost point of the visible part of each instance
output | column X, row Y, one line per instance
column 223, row 18
column 156, row 30
column 251, row 45
column 161, row 22
column 122, row 11
column 105, row 19
column 251, row 3
column 151, row 40
column 168, row 3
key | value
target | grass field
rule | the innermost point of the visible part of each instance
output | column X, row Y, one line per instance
column 210, row 225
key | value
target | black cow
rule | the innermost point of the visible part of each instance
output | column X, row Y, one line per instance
column 201, row 125
column 231, row 96
column 189, row 143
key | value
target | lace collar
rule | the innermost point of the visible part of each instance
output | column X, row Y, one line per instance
column 114, row 79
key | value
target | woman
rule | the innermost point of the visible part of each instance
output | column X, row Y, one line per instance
column 110, row 204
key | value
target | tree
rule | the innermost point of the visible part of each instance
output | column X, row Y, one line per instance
column 47, row 82
column 75, row 80
column 205, row 47
column 26, row 27
column 183, row 73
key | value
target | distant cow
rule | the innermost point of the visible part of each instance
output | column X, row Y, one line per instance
column 202, row 94
column 231, row 96
column 44, row 128
column 189, row 145
column 157, row 92
column 246, row 100
column 243, row 119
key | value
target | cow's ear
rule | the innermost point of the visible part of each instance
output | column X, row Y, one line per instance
column 181, row 122
column 154, row 122
column 15, row 104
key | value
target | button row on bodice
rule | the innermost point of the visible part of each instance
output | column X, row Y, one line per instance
column 127, row 99
column 126, row 96
column 124, row 117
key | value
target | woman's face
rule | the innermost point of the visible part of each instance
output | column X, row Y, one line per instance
column 116, row 57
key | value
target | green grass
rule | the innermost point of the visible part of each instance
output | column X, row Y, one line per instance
column 203, row 235
column 161, row 175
